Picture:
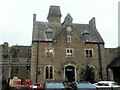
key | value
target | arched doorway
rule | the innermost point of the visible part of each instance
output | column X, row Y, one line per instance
column 70, row 73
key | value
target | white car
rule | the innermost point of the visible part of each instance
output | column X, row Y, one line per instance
column 106, row 83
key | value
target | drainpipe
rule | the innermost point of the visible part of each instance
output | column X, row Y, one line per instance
column 100, row 61
column 37, row 61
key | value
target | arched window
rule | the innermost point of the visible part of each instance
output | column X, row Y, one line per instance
column 49, row 72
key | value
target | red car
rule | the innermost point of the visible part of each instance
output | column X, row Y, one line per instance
column 35, row 86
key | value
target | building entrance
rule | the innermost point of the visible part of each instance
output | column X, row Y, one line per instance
column 70, row 73
column 116, row 73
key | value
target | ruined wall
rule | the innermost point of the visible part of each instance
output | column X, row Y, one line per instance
column 17, row 63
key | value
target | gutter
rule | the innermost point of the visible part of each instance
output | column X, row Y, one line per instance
column 100, row 61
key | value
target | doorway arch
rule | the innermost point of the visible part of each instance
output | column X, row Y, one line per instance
column 70, row 73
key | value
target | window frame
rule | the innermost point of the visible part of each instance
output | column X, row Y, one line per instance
column 68, row 52
column 49, row 72
column 89, row 53
column 69, row 38
column 47, row 33
column 49, row 52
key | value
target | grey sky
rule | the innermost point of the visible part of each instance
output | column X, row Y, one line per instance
column 16, row 18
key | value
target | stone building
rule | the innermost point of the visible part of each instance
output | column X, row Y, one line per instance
column 61, row 50
column 112, row 56
column 15, row 61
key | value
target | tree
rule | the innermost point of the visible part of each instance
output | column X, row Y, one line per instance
column 5, row 85
column 87, row 74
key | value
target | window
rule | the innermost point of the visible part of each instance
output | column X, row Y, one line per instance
column 49, row 52
column 16, row 70
column 18, row 50
column 4, row 56
column 69, row 52
column 68, row 38
column 28, row 68
column 86, row 35
column 49, row 72
column 49, row 34
column 28, row 50
column 89, row 53
column 28, row 60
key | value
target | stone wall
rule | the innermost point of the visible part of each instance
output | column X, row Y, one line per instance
column 33, row 62
column 54, row 19
column 0, row 67
column 17, row 64
column 110, row 54
column 60, row 60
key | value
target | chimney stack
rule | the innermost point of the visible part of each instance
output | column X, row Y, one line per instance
column 92, row 22
column 54, row 14
column 34, row 17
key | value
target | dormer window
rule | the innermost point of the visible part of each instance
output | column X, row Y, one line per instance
column 86, row 35
column 68, row 19
column 49, row 34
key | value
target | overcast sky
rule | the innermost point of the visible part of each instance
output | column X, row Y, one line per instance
column 16, row 18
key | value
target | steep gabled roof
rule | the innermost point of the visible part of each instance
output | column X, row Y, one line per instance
column 41, row 27
column 94, row 36
column 115, row 62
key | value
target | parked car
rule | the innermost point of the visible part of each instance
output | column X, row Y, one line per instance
column 54, row 86
column 35, row 86
column 106, row 83
column 85, row 86
column 18, row 87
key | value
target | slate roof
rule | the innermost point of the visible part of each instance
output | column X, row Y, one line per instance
column 115, row 63
column 94, row 36
column 40, row 28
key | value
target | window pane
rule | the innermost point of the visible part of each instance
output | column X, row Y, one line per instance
column 47, row 73
column 51, row 72
column 86, row 51
column 49, row 35
column 90, row 53
column 68, row 38
column 49, row 52
column 67, row 51
column 71, row 51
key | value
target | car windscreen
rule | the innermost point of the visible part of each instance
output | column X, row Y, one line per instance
column 37, row 84
column 114, row 84
column 102, row 84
